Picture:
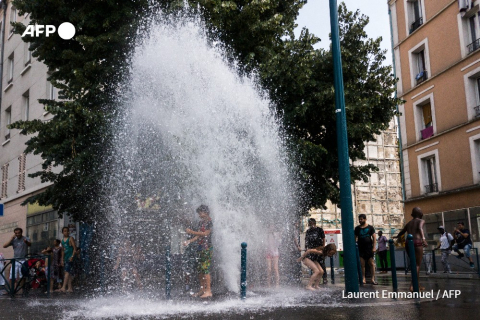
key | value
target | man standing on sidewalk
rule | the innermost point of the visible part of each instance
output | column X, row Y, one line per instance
column 445, row 246
column 462, row 237
column 366, row 240
column 20, row 246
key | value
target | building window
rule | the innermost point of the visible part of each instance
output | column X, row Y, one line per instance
column 476, row 108
column 4, row 181
column 42, row 230
column 27, row 54
column 472, row 93
column 431, row 175
column 26, row 105
column 427, row 122
column 424, row 114
column 21, row 172
column 475, row 156
column 13, row 18
column 473, row 41
column 415, row 14
column 419, row 63
column 421, row 67
column 8, row 121
column 11, row 63
column 51, row 90
column 429, row 172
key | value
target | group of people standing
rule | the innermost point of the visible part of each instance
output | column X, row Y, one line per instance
column 62, row 255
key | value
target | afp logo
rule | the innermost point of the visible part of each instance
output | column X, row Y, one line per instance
column 66, row 30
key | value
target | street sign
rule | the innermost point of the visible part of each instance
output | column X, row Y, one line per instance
column 1, row 209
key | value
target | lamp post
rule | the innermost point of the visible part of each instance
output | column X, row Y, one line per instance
column 349, row 257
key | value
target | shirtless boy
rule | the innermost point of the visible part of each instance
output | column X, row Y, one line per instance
column 415, row 228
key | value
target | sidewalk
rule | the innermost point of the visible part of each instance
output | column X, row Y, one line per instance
column 289, row 303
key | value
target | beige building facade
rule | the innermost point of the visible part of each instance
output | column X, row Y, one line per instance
column 437, row 61
column 380, row 198
column 23, row 82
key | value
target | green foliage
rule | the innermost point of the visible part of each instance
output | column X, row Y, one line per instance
column 299, row 80
column 256, row 33
column 87, row 70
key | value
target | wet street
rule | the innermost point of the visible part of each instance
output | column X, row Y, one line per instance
column 284, row 303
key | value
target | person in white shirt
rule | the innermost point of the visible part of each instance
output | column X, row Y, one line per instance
column 445, row 246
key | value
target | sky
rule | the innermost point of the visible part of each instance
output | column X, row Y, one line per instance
column 315, row 15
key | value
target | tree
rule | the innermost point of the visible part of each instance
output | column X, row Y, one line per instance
column 87, row 71
column 300, row 82
column 257, row 34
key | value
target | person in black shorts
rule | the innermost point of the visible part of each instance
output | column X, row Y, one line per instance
column 366, row 239
column 314, row 239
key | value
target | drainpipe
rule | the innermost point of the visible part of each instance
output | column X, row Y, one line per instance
column 396, row 107
column 4, row 7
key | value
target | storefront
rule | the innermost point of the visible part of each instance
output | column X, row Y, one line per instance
column 43, row 227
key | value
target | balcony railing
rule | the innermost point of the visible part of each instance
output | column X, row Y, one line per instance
column 473, row 46
column 429, row 188
column 416, row 24
column 477, row 111
column 422, row 76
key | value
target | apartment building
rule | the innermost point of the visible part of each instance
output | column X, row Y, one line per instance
column 23, row 82
column 437, row 60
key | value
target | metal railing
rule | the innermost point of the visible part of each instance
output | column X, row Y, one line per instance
column 421, row 76
column 416, row 24
column 429, row 188
column 473, row 46
column 23, row 283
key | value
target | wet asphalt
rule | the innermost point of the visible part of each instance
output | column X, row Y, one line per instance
column 287, row 303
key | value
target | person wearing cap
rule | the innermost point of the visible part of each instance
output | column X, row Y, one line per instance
column 445, row 246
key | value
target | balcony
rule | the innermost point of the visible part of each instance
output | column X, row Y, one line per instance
column 416, row 24
column 427, row 132
column 477, row 111
column 420, row 77
column 429, row 188
column 473, row 46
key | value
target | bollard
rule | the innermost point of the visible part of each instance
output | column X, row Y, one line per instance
column 14, row 276
column 168, row 273
column 413, row 263
column 393, row 265
column 243, row 280
column 331, row 270
column 434, row 263
column 359, row 266
column 478, row 264
column 102, row 272
column 49, row 266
